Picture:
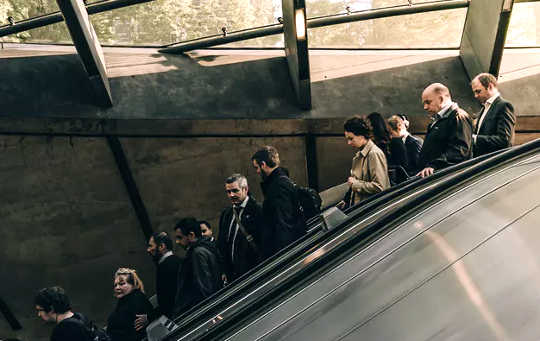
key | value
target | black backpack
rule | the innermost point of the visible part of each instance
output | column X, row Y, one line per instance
column 94, row 332
column 309, row 202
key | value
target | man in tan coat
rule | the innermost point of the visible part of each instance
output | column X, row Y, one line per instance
column 369, row 171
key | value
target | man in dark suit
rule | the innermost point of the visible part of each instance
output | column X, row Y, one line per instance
column 449, row 137
column 240, row 229
column 496, row 121
column 160, row 248
column 398, row 125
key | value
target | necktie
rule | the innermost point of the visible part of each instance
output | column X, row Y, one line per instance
column 237, row 211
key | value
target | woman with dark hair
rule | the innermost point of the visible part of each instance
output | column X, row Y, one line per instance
column 381, row 135
column 129, row 290
column 369, row 171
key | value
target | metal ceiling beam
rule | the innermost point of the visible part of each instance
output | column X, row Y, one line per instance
column 296, row 49
column 56, row 17
column 316, row 22
column 87, row 45
column 484, row 36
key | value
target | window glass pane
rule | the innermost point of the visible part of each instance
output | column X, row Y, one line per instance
column 524, row 27
column 440, row 29
column 317, row 8
column 24, row 9
column 55, row 33
column 161, row 21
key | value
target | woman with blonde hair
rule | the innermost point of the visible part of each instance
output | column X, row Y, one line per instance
column 129, row 290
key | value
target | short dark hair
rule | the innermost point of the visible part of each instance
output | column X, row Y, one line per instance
column 487, row 78
column 268, row 155
column 187, row 225
column 53, row 298
column 201, row 222
column 359, row 126
column 236, row 177
column 163, row 238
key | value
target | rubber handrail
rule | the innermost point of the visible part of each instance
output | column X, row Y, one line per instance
column 206, row 309
column 366, row 235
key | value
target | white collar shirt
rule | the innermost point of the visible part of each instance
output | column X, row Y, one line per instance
column 487, row 105
column 165, row 255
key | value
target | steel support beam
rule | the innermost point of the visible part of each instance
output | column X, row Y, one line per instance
column 8, row 314
column 315, row 22
column 87, row 45
column 296, row 49
column 312, row 165
column 56, row 17
column 484, row 35
column 131, row 186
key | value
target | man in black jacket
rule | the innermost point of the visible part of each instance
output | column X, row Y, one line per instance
column 240, row 229
column 200, row 273
column 284, row 223
column 160, row 247
column 449, row 137
column 495, row 124
column 53, row 305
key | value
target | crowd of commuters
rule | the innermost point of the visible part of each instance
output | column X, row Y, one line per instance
column 250, row 232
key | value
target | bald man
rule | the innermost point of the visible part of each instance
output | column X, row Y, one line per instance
column 449, row 137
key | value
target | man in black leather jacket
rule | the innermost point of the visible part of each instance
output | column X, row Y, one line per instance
column 200, row 273
column 284, row 223
column 449, row 137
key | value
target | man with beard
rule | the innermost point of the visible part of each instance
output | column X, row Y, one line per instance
column 200, row 273
column 160, row 248
column 284, row 223
column 239, row 229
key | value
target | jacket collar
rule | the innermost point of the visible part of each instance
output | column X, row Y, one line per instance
column 276, row 173
column 366, row 149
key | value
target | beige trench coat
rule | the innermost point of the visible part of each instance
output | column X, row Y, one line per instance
column 370, row 170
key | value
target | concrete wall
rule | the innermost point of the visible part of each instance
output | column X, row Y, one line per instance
column 67, row 219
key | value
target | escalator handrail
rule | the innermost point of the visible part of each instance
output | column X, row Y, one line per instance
column 364, row 236
column 206, row 309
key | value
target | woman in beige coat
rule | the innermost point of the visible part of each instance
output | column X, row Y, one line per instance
column 369, row 171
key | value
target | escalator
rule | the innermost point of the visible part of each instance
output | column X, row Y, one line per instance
column 334, row 284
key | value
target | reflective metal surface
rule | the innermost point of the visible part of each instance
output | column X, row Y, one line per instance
column 305, row 260
column 460, row 269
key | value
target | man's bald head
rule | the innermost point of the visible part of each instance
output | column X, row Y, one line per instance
column 435, row 97
column 439, row 89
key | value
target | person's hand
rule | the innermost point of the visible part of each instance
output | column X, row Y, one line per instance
column 426, row 172
column 351, row 180
column 140, row 321
column 224, row 279
column 462, row 115
column 341, row 204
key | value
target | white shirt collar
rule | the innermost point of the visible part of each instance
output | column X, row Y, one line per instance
column 404, row 137
column 445, row 109
column 165, row 255
column 244, row 203
column 492, row 99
